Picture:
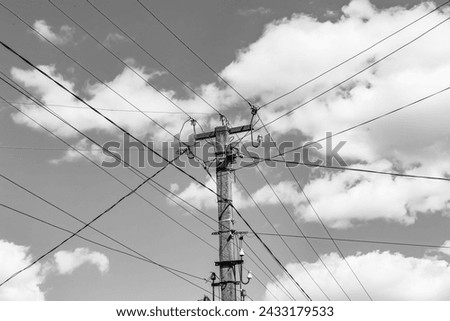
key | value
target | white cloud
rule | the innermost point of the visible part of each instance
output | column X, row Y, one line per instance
column 385, row 275
column 199, row 196
column 445, row 249
column 344, row 198
column 113, row 38
column 127, row 84
column 25, row 286
column 260, row 11
column 331, row 14
column 294, row 50
column 290, row 52
column 67, row 262
column 91, row 151
column 62, row 37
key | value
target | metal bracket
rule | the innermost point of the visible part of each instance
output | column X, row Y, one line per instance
column 230, row 263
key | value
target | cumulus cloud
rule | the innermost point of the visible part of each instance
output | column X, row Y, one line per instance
column 293, row 50
column 385, row 275
column 259, row 10
column 112, row 38
column 445, row 249
column 127, row 84
column 296, row 49
column 344, row 198
column 25, row 286
column 87, row 149
column 62, row 37
column 66, row 262
column 202, row 198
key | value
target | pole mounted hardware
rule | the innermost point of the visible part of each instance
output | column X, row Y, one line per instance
column 225, row 153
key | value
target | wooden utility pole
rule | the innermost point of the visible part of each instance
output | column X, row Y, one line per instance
column 225, row 157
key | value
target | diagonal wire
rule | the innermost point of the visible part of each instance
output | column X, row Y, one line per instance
column 203, row 164
column 125, row 63
column 138, row 257
column 111, row 207
column 191, row 50
column 274, row 279
column 102, row 115
column 282, row 239
column 356, row 55
column 318, row 217
column 358, row 125
column 77, row 97
column 273, row 255
column 301, row 232
column 119, row 110
column 90, row 73
column 126, row 164
column 353, row 169
column 37, row 102
column 357, row 73
column 359, row 240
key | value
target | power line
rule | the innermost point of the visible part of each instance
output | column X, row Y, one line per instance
column 141, row 257
column 133, row 169
column 90, row 73
column 126, row 132
column 126, row 64
column 358, row 240
column 356, row 55
column 273, row 255
column 93, row 228
column 357, row 73
column 191, row 50
column 88, row 105
column 318, row 217
column 102, row 115
column 358, row 125
column 259, row 280
column 223, row 138
column 275, row 280
column 137, row 172
column 165, row 267
column 115, row 109
column 158, row 61
column 82, row 228
column 353, row 169
column 49, row 149
column 301, row 232
column 141, row 174
column 203, row 163
column 282, row 239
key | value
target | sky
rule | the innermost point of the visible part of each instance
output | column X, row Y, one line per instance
column 256, row 52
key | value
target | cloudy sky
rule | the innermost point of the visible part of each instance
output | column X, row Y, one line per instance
column 119, row 58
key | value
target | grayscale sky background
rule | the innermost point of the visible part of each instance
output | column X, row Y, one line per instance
column 263, row 49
